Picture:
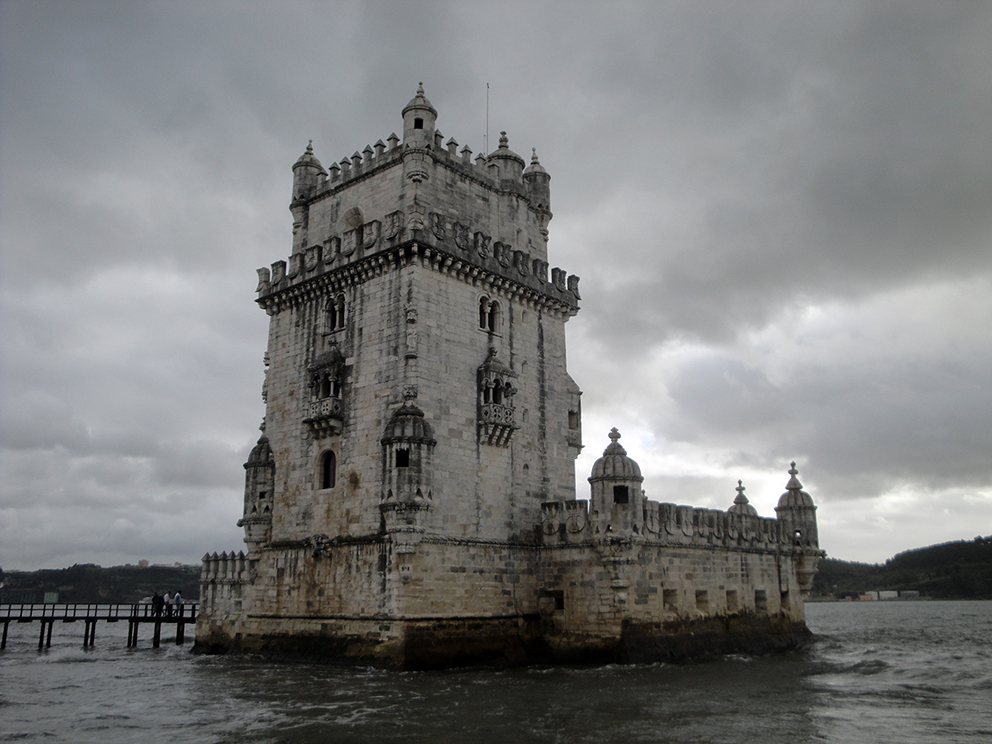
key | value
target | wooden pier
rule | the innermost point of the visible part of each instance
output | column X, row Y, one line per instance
column 46, row 615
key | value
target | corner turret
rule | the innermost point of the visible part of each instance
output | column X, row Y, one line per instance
column 419, row 117
column 797, row 514
column 537, row 183
column 308, row 173
column 616, row 490
column 260, row 473
column 510, row 165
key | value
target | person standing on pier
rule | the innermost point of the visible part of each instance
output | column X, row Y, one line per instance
column 157, row 604
column 167, row 600
column 179, row 603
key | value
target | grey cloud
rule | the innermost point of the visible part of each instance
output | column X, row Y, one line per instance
column 716, row 170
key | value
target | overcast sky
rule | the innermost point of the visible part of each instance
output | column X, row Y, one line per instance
column 781, row 213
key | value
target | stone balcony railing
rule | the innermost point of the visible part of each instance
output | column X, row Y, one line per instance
column 498, row 423
column 325, row 417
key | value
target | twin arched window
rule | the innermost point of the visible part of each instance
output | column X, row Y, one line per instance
column 497, row 391
column 489, row 315
column 327, row 385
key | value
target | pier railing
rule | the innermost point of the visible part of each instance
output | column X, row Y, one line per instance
column 135, row 614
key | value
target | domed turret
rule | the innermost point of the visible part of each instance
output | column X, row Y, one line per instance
column 260, row 455
column 419, row 117
column 537, row 182
column 797, row 515
column 511, row 165
column 796, row 509
column 260, row 471
column 616, row 489
column 407, row 455
column 614, row 464
column 308, row 173
column 741, row 505
column 408, row 425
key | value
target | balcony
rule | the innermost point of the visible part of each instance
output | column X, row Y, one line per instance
column 326, row 417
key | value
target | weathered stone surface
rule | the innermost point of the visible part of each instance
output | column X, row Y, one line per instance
column 411, row 501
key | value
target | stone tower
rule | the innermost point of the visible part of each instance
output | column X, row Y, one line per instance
column 416, row 382
column 412, row 498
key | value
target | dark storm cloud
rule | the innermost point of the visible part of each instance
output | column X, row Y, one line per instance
column 782, row 216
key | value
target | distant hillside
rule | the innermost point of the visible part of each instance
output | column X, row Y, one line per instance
column 91, row 583
column 957, row 570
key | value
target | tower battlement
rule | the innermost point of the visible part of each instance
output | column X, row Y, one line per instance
column 485, row 221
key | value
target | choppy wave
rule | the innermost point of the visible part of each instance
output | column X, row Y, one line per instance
column 882, row 672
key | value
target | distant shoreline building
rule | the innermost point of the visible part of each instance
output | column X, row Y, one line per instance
column 411, row 500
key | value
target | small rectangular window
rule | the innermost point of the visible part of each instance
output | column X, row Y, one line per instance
column 551, row 600
column 732, row 604
column 418, row 123
column 670, row 600
column 621, row 495
column 760, row 601
column 702, row 600
column 402, row 458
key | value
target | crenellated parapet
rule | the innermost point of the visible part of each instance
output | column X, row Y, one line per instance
column 222, row 578
column 280, row 287
column 398, row 194
column 670, row 525
column 619, row 511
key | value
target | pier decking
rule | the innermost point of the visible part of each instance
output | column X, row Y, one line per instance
column 90, row 614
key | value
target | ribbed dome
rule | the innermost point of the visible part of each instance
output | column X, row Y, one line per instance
column 795, row 497
column 741, row 505
column 408, row 425
column 261, row 453
column 614, row 464
column 503, row 152
column 420, row 101
column 535, row 165
column 308, row 158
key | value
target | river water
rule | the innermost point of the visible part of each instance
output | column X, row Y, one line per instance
column 903, row 672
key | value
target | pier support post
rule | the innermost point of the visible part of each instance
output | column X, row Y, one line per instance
column 3, row 643
column 43, row 642
column 157, row 636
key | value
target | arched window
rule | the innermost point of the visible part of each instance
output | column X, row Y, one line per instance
column 335, row 313
column 493, row 319
column 488, row 315
column 328, row 469
column 483, row 312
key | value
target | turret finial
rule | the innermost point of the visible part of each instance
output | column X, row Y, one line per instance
column 741, row 498
column 614, row 435
column 533, row 158
column 793, row 484
column 504, row 141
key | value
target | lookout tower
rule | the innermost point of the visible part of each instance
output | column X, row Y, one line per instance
column 411, row 500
